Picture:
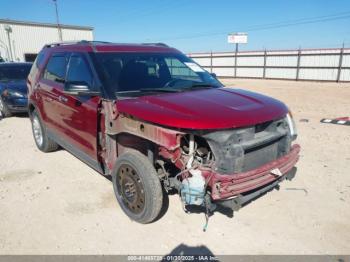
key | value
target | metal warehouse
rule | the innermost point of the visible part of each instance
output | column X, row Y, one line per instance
column 21, row 41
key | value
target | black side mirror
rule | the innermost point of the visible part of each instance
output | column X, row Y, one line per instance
column 213, row 75
column 78, row 88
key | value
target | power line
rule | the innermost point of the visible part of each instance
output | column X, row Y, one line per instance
column 146, row 13
column 288, row 23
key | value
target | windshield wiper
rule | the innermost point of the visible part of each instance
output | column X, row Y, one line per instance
column 165, row 90
column 147, row 90
column 197, row 86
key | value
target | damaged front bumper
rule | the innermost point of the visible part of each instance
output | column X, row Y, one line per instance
column 235, row 189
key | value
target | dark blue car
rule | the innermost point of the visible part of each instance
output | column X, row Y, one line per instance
column 13, row 88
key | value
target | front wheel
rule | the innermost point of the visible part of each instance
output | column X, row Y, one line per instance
column 137, row 187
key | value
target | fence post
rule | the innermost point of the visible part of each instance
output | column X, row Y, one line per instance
column 298, row 64
column 236, row 60
column 340, row 63
column 211, row 61
column 264, row 70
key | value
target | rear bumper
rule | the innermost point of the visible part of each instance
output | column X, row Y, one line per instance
column 224, row 187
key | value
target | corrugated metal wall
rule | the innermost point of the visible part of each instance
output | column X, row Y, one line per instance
column 31, row 38
column 304, row 64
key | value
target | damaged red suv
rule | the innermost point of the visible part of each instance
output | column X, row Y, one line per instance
column 154, row 120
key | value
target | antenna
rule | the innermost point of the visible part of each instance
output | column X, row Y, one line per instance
column 58, row 21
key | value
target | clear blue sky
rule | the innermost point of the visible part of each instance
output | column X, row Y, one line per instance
column 198, row 25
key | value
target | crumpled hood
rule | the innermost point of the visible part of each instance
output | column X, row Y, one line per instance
column 215, row 108
column 19, row 86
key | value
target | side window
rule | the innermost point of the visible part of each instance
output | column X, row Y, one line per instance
column 79, row 70
column 39, row 59
column 56, row 68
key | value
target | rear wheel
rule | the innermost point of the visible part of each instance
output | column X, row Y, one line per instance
column 42, row 141
column 4, row 110
column 137, row 187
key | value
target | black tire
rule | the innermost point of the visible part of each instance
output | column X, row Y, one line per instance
column 5, row 111
column 146, row 186
column 45, row 144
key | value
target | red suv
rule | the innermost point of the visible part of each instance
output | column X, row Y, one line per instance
column 155, row 121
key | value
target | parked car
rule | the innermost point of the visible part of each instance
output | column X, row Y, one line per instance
column 13, row 88
column 153, row 119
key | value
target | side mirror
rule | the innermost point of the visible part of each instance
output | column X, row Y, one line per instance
column 213, row 75
column 78, row 88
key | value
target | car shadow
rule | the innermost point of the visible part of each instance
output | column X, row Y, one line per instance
column 184, row 253
column 21, row 115
column 15, row 115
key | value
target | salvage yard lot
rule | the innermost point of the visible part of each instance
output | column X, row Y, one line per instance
column 54, row 204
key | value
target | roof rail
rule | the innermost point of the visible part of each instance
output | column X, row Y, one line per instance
column 93, row 44
column 61, row 43
column 87, row 42
column 158, row 44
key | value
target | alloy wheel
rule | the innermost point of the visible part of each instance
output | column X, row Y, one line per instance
column 38, row 134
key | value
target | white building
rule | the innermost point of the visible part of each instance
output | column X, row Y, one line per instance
column 21, row 41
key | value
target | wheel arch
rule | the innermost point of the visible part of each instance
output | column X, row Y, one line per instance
column 126, row 141
column 31, row 108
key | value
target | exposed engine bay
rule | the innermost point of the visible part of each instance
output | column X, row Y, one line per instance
column 229, row 152
column 207, row 167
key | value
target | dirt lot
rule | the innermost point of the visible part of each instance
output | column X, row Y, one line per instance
column 55, row 204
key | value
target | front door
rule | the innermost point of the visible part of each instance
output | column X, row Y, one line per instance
column 78, row 114
column 71, row 120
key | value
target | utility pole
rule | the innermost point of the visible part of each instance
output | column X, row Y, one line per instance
column 6, row 48
column 58, row 21
column 8, row 30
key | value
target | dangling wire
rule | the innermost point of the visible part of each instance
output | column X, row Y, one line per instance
column 207, row 213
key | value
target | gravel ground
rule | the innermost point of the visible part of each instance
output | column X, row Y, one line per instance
column 54, row 204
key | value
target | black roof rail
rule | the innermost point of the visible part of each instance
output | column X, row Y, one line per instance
column 61, row 43
column 87, row 42
column 158, row 44
column 94, row 43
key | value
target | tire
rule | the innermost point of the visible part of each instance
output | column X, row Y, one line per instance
column 137, row 187
column 42, row 141
column 5, row 112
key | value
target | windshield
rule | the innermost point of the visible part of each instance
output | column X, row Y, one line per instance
column 11, row 73
column 140, row 73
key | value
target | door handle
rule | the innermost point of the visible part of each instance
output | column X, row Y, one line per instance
column 63, row 99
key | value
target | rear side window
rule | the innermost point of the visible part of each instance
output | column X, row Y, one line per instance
column 56, row 68
column 79, row 70
column 39, row 59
